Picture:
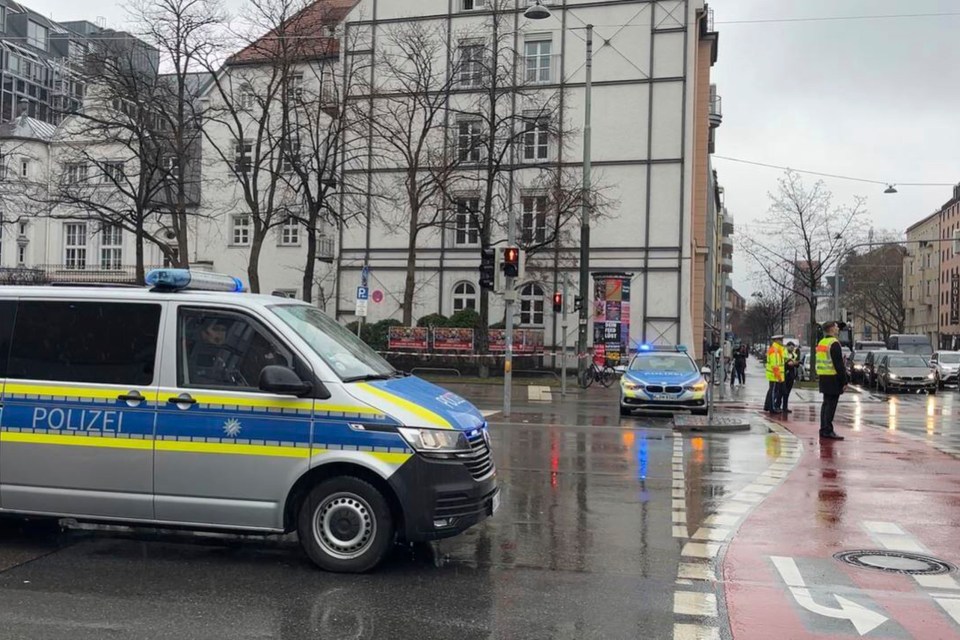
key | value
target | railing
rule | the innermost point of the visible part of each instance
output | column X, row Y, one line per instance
column 88, row 274
column 22, row 276
column 711, row 24
column 716, row 110
column 326, row 249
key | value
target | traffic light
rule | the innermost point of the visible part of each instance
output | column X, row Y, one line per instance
column 511, row 262
column 577, row 303
column 488, row 257
column 557, row 302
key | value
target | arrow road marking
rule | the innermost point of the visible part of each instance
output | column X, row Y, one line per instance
column 864, row 620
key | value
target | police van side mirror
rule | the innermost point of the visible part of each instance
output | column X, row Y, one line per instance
column 283, row 381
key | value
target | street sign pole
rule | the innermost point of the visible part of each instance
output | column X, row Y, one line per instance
column 363, row 296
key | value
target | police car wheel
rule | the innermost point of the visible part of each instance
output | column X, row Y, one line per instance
column 345, row 525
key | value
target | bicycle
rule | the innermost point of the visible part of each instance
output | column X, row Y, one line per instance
column 604, row 375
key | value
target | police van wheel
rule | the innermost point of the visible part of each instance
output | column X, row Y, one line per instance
column 345, row 525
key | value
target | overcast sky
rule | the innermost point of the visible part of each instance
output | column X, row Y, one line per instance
column 868, row 98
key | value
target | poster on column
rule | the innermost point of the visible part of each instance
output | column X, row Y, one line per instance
column 611, row 318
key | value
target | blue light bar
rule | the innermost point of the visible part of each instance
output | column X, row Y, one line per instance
column 645, row 347
column 185, row 279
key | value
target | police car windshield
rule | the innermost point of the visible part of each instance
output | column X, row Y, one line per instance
column 346, row 354
column 663, row 363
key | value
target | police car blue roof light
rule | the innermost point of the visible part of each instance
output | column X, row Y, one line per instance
column 185, row 279
column 645, row 347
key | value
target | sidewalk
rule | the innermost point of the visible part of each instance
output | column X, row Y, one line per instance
column 877, row 491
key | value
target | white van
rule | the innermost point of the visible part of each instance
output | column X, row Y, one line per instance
column 224, row 410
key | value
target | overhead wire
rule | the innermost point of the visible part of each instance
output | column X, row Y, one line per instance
column 833, row 175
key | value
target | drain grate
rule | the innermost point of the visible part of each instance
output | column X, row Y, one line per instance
column 902, row 562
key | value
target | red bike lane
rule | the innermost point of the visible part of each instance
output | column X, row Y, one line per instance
column 877, row 491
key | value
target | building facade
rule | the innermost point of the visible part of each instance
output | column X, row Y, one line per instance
column 922, row 303
column 651, row 141
column 947, row 302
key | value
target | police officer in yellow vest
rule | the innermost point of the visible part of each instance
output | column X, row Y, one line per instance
column 833, row 378
column 775, row 375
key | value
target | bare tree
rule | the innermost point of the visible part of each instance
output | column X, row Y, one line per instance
column 408, row 120
column 873, row 287
column 766, row 314
column 802, row 239
column 250, row 120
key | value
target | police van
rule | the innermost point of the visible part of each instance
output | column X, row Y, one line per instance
column 190, row 404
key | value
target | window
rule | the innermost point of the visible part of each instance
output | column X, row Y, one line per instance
column 75, row 245
column 225, row 350
column 243, row 155
column 533, row 219
column 466, row 230
column 36, row 35
column 21, row 255
column 537, row 54
column 113, row 172
column 171, row 164
column 531, row 305
column 464, row 297
column 3, row 18
column 247, row 99
column 469, row 141
column 111, row 248
column 76, row 172
column 471, row 65
column 290, row 157
column 290, row 232
column 241, row 229
column 295, row 85
column 24, row 168
column 3, row 167
column 536, row 145
column 96, row 342
column 472, row 5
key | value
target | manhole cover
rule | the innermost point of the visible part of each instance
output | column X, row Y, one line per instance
column 904, row 562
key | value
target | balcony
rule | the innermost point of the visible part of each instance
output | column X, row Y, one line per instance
column 716, row 109
column 726, row 265
column 326, row 248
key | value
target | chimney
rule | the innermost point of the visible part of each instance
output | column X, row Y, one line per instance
column 956, row 192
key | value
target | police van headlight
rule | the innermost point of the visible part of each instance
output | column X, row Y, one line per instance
column 435, row 441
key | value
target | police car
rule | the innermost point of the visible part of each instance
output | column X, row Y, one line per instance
column 662, row 379
column 191, row 404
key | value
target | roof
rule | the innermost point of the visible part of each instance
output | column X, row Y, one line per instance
column 144, row 294
column 935, row 214
column 29, row 128
column 305, row 33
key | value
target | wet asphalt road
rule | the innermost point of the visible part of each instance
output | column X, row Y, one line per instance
column 581, row 548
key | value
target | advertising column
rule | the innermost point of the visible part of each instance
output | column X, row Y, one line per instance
column 611, row 317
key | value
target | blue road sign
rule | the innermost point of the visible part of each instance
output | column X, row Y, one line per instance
column 363, row 293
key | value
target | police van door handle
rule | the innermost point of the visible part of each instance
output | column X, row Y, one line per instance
column 183, row 398
column 133, row 396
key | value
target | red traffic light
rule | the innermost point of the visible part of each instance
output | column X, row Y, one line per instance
column 557, row 302
column 511, row 262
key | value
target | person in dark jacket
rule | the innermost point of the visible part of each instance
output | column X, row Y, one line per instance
column 791, row 363
column 833, row 378
column 740, row 366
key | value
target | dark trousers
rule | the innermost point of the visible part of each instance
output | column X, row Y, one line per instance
column 827, row 411
column 772, row 402
column 739, row 375
column 787, row 388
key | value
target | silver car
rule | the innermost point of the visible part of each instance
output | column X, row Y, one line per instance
column 905, row 372
column 946, row 365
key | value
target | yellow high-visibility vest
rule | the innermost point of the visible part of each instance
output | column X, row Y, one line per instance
column 824, row 361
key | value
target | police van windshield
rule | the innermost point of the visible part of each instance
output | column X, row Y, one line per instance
column 346, row 354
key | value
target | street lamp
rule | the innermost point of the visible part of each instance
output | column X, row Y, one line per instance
column 890, row 189
column 540, row 12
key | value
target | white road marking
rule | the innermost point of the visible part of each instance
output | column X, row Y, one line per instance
column 734, row 507
column 700, row 550
column 899, row 543
column 695, row 632
column 679, row 493
column 695, row 603
column 942, row 581
column 679, row 505
column 696, row 571
column 720, row 520
column 757, row 488
column 486, row 413
column 680, row 516
column 752, row 498
column 864, row 620
column 951, row 606
column 884, row 527
column 680, row 531
column 716, row 535
column 679, row 484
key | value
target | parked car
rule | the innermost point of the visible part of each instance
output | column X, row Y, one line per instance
column 946, row 365
column 855, row 367
column 869, row 345
column 870, row 366
column 905, row 372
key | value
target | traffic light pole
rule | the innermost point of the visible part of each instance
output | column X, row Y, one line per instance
column 585, row 214
column 563, row 342
column 509, row 298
